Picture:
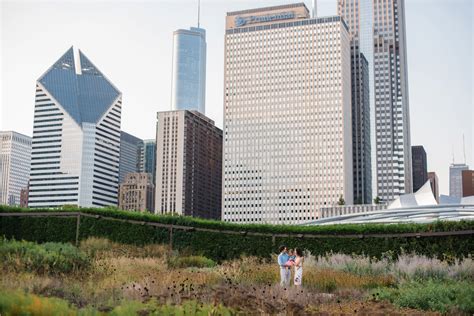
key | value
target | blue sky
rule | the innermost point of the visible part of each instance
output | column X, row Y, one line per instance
column 131, row 43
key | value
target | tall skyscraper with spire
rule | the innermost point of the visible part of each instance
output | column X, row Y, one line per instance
column 188, row 85
column 76, row 136
column 377, row 29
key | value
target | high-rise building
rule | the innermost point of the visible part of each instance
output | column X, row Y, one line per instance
column 434, row 182
column 188, row 86
column 130, row 155
column 361, row 146
column 467, row 183
column 189, row 165
column 148, row 158
column 287, row 115
column 419, row 167
column 378, row 30
column 455, row 179
column 15, row 156
column 76, row 136
column 137, row 193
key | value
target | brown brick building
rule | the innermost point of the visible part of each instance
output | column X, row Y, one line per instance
column 189, row 165
column 467, row 183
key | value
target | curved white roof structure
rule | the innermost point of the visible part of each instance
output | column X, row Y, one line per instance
column 419, row 207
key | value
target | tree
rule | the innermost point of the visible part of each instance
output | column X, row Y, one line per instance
column 377, row 200
column 341, row 201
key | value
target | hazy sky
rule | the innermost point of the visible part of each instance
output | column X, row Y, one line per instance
column 131, row 43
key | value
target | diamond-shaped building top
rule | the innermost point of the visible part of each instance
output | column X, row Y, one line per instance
column 85, row 93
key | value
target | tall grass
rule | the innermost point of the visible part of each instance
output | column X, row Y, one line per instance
column 406, row 267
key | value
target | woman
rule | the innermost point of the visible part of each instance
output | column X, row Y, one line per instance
column 298, row 267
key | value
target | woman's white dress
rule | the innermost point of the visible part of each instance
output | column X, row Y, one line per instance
column 299, row 274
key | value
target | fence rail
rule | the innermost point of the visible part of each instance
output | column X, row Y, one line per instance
column 171, row 227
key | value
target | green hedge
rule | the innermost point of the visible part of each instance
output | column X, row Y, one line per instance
column 220, row 246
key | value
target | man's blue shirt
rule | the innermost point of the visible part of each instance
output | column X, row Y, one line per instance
column 282, row 259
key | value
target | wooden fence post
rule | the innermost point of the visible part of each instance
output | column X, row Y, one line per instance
column 171, row 237
column 78, row 223
column 273, row 240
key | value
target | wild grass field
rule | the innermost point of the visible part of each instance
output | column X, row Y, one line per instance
column 101, row 277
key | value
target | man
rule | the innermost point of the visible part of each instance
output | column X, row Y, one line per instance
column 285, row 272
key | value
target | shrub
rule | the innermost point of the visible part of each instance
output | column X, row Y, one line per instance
column 41, row 258
column 191, row 261
column 432, row 295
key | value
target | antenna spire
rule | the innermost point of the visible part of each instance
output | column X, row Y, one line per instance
column 464, row 148
column 199, row 11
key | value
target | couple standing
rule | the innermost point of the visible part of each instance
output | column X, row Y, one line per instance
column 288, row 259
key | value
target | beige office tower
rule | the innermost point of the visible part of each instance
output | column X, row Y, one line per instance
column 287, row 115
column 137, row 192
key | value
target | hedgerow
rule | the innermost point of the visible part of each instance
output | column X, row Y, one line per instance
column 221, row 246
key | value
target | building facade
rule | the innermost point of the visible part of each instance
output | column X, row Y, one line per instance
column 189, row 165
column 434, row 182
column 287, row 115
column 137, row 193
column 15, row 158
column 148, row 158
column 467, row 183
column 188, row 85
column 455, row 179
column 131, row 148
column 378, row 29
column 361, row 146
column 419, row 167
column 76, row 136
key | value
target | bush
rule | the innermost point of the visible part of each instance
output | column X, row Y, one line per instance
column 432, row 295
column 41, row 258
column 221, row 246
column 191, row 261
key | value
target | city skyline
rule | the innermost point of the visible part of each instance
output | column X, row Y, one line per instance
column 425, row 129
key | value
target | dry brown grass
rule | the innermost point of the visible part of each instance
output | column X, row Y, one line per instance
column 249, row 285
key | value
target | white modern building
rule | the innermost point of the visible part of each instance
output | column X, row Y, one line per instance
column 287, row 115
column 188, row 85
column 15, row 157
column 377, row 29
column 76, row 136
column 455, row 179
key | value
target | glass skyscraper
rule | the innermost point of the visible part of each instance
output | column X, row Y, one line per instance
column 188, row 90
column 130, row 155
column 76, row 136
column 148, row 158
column 377, row 27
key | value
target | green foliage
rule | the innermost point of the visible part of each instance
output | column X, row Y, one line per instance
column 431, row 295
column 49, row 257
column 220, row 246
column 20, row 303
column 341, row 201
column 191, row 261
column 376, row 200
